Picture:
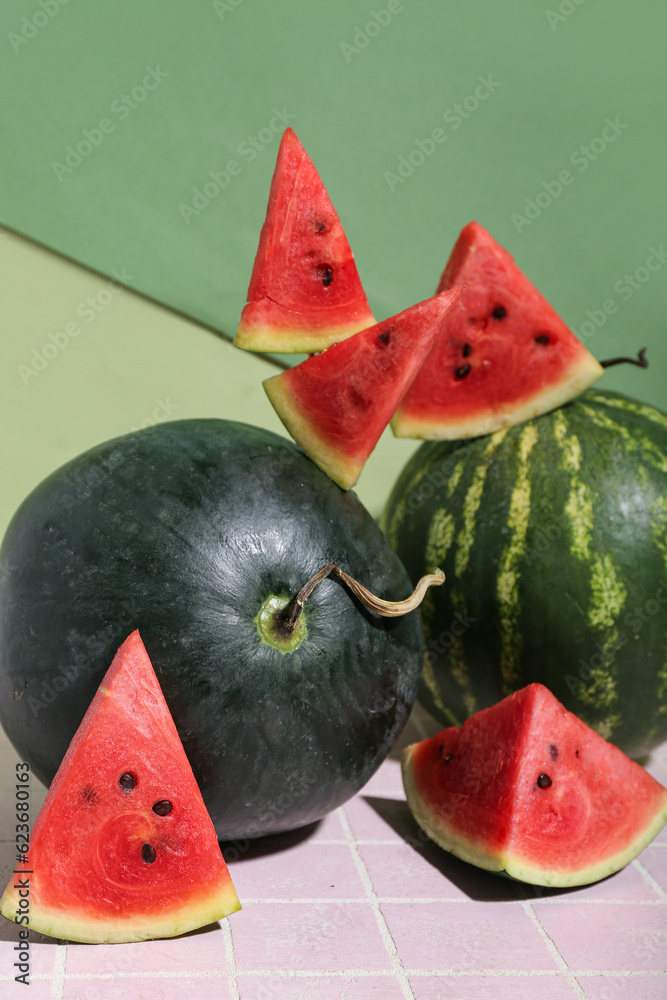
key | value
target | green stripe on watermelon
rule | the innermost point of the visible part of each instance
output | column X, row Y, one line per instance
column 337, row 403
column 558, row 564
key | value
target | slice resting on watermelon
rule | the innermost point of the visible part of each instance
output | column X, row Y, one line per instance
column 337, row 403
column 528, row 788
column 503, row 356
column 123, row 848
column 305, row 292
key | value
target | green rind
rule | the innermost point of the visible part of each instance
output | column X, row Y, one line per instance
column 84, row 927
column 589, row 586
column 447, row 837
column 340, row 467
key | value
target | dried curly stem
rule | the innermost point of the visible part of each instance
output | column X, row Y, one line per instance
column 390, row 609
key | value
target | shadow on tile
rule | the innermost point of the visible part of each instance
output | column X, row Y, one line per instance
column 476, row 883
column 243, row 848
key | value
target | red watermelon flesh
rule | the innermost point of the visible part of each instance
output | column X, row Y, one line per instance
column 123, row 848
column 336, row 404
column 305, row 292
column 503, row 356
column 528, row 788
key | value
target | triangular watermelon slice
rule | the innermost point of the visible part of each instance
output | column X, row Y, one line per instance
column 503, row 356
column 528, row 788
column 305, row 292
column 123, row 848
column 336, row 404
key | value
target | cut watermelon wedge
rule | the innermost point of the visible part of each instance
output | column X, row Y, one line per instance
column 305, row 292
column 336, row 404
column 503, row 356
column 123, row 848
column 527, row 788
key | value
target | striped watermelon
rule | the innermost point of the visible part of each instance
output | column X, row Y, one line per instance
column 553, row 538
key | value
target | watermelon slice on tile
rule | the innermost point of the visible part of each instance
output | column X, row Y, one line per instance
column 503, row 356
column 305, row 292
column 123, row 848
column 527, row 788
column 336, row 404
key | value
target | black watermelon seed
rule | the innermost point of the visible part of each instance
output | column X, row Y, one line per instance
column 327, row 275
column 148, row 854
column 544, row 781
column 163, row 807
column 127, row 782
column 462, row 371
column 499, row 312
column 576, row 753
column 467, row 350
column 553, row 750
column 542, row 338
column 385, row 337
column 448, row 758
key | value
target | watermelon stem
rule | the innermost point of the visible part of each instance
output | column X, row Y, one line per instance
column 640, row 360
column 390, row 609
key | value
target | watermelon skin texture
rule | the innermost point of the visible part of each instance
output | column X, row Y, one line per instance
column 87, row 878
column 337, row 404
column 184, row 530
column 503, row 356
column 552, row 536
column 525, row 787
column 305, row 292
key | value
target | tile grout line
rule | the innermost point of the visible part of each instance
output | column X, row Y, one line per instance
column 554, row 951
column 427, row 900
column 388, row 941
column 354, row 973
column 58, row 982
column 652, row 881
column 230, row 958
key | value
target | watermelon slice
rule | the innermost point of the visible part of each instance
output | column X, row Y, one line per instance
column 305, row 292
column 503, row 356
column 123, row 848
column 528, row 788
column 336, row 404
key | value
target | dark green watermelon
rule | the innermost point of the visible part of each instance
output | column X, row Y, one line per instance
column 186, row 531
column 553, row 539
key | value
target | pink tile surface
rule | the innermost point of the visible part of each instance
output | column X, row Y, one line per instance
column 654, row 860
column 479, row 943
column 381, row 817
column 608, row 937
column 626, row 885
column 320, row 988
column 139, row 988
column 466, row 936
column 550, row 987
column 624, row 987
column 311, row 870
column 42, row 951
column 387, row 780
column 201, row 951
column 38, row 989
column 399, row 871
column 305, row 937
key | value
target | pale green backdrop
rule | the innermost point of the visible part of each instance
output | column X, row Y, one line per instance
column 157, row 96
